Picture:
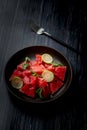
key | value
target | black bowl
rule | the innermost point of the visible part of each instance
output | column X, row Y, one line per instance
column 18, row 57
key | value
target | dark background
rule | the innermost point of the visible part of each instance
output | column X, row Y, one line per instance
column 65, row 19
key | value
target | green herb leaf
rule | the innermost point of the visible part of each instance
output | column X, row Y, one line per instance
column 27, row 59
column 56, row 64
column 25, row 66
column 39, row 92
column 33, row 73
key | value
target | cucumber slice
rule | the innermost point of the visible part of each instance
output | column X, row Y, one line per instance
column 48, row 75
column 16, row 82
column 47, row 58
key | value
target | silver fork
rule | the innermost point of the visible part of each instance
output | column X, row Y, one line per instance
column 40, row 31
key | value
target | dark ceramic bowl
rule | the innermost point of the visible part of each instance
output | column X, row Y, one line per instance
column 18, row 57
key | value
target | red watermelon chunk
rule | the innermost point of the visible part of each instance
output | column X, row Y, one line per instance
column 26, row 80
column 31, row 92
column 33, row 63
column 38, row 58
column 24, row 89
column 20, row 66
column 49, row 67
column 16, row 73
column 27, row 90
column 26, row 73
column 46, row 91
column 60, row 72
column 37, row 68
column 33, row 81
column 55, row 86
column 42, row 83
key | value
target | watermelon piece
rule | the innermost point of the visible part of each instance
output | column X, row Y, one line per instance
column 46, row 91
column 24, row 89
column 60, row 72
column 39, row 58
column 42, row 83
column 27, row 90
column 26, row 80
column 55, row 86
column 33, row 81
column 37, row 68
column 26, row 73
column 31, row 92
column 20, row 66
column 33, row 63
column 16, row 73
column 49, row 67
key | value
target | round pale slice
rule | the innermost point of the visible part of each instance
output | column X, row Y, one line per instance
column 47, row 58
column 48, row 75
column 16, row 82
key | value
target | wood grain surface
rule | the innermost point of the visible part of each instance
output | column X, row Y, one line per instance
column 66, row 20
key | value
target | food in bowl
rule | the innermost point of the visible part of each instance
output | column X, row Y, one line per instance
column 39, row 77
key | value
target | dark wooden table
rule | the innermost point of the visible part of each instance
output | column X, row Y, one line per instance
column 66, row 20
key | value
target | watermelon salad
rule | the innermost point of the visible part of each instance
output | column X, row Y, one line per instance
column 40, row 77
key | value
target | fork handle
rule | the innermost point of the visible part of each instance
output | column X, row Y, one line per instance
column 61, row 42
